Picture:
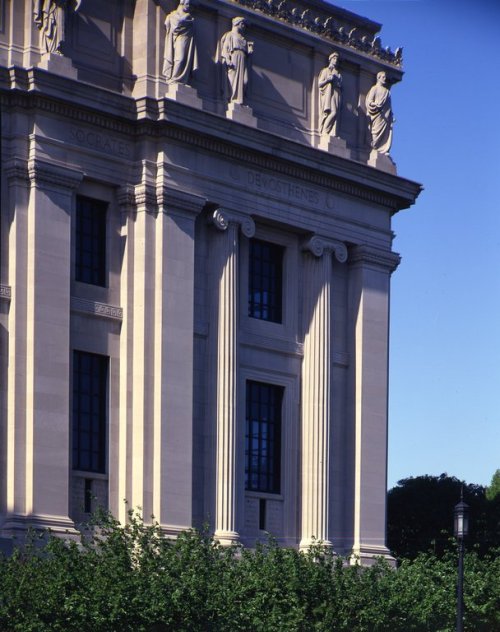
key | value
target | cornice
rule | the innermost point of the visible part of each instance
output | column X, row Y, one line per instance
column 176, row 200
column 16, row 170
column 326, row 26
column 48, row 175
column 318, row 245
column 213, row 133
column 221, row 218
column 95, row 308
column 370, row 256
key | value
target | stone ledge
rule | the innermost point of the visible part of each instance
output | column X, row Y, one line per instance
column 5, row 292
column 95, row 308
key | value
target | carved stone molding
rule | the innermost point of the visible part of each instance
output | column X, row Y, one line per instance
column 325, row 26
column 126, row 198
column 95, row 308
column 5, row 293
column 318, row 245
column 175, row 199
column 221, row 218
column 16, row 170
column 47, row 175
column 370, row 255
column 145, row 198
column 393, row 199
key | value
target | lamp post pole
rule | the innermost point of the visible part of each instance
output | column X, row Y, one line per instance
column 461, row 529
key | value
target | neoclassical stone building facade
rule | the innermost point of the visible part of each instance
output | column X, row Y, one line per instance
column 194, row 281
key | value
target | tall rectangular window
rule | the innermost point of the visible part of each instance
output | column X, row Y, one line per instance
column 90, row 385
column 265, row 281
column 90, row 243
column 263, row 437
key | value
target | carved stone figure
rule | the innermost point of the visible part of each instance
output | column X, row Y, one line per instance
column 180, row 49
column 234, row 51
column 49, row 16
column 330, row 95
column 379, row 111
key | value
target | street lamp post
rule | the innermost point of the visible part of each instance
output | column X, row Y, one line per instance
column 461, row 529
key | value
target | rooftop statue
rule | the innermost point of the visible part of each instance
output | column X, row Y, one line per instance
column 49, row 16
column 330, row 95
column 180, row 49
column 234, row 51
column 379, row 111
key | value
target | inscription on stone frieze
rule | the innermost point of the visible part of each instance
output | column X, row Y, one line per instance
column 279, row 187
column 100, row 142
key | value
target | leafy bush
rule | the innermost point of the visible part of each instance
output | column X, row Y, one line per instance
column 131, row 578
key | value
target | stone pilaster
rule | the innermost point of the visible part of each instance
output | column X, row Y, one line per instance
column 226, row 267
column 369, row 280
column 38, row 391
column 316, row 389
column 173, row 360
column 137, row 350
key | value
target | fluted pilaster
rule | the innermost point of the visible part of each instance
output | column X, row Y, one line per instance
column 227, row 363
column 316, row 389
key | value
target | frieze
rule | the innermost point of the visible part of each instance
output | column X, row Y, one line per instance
column 101, row 142
column 325, row 26
column 278, row 187
column 96, row 308
column 5, row 292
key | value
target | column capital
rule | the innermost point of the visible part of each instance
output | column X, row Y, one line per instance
column 221, row 218
column 365, row 255
column 48, row 175
column 317, row 245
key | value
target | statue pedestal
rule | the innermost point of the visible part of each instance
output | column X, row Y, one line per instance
column 382, row 161
column 241, row 114
column 184, row 94
column 58, row 64
column 334, row 145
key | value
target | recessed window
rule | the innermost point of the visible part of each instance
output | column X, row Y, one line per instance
column 90, row 241
column 263, row 437
column 90, row 378
column 265, row 281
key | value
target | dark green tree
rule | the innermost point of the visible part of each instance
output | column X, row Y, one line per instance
column 420, row 515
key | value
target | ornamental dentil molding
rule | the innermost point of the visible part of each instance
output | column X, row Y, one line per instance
column 221, row 218
column 317, row 246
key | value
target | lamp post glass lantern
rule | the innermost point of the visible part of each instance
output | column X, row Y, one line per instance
column 461, row 520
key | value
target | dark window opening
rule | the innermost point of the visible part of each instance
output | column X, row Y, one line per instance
column 90, row 241
column 265, row 281
column 90, row 377
column 263, row 437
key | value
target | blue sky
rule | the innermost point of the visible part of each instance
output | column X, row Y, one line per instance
column 444, row 413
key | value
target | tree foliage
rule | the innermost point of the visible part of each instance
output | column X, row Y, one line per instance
column 420, row 516
column 131, row 578
column 493, row 491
